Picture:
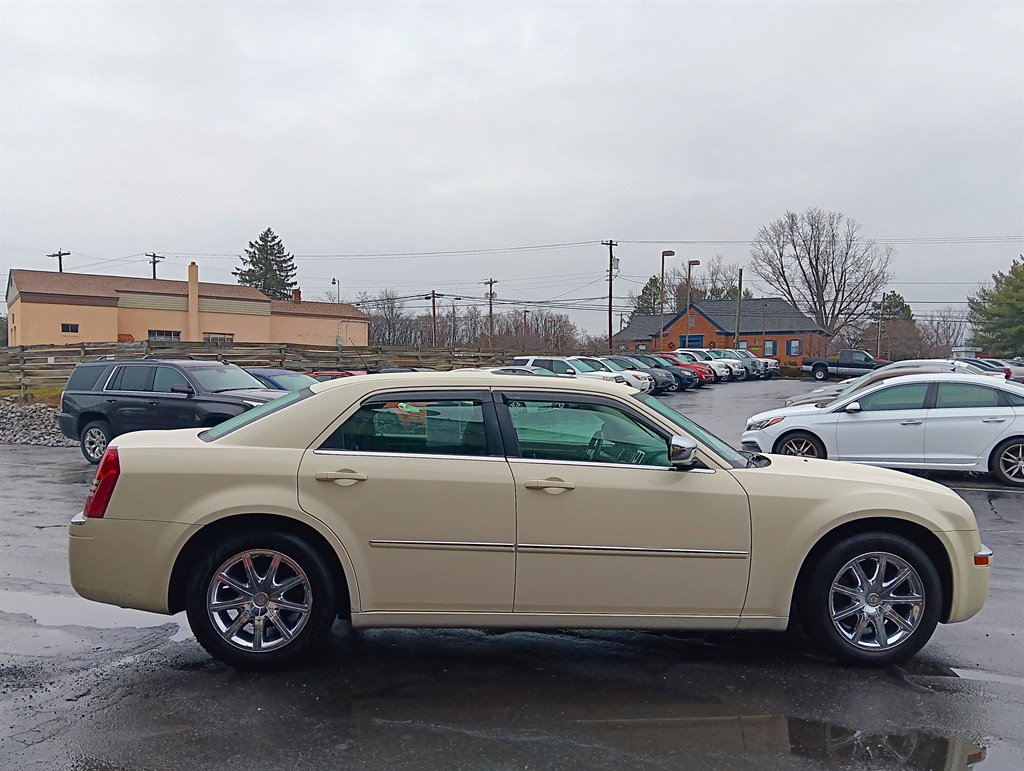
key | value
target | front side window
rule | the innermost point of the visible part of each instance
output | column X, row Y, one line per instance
column 589, row 433
column 561, row 368
column 901, row 397
column 442, row 427
column 166, row 377
column 69, row 329
column 165, row 334
column 860, row 357
column 965, row 395
column 794, row 347
column 771, row 347
column 721, row 448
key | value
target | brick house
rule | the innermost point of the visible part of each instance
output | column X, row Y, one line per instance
column 769, row 326
column 47, row 308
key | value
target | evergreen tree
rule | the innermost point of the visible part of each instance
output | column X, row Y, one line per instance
column 893, row 307
column 268, row 267
column 648, row 302
column 997, row 313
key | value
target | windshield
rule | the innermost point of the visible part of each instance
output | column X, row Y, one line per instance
column 702, row 435
column 292, row 381
column 250, row 416
column 700, row 355
column 742, row 354
column 223, row 377
column 854, row 385
column 715, row 354
column 613, row 365
column 597, row 364
column 650, row 361
column 583, row 366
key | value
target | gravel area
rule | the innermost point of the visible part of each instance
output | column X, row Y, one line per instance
column 22, row 423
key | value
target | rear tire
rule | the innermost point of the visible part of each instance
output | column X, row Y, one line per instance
column 820, row 373
column 1007, row 462
column 873, row 600
column 241, row 612
column 94, row 440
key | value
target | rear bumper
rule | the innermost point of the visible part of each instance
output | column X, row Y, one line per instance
column 124, row 562
column 67, row 425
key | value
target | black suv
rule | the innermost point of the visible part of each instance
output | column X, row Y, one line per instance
column 109, row 397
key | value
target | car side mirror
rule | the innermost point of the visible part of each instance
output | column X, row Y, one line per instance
column 852, row 407
column 682, row 452
column 182, row 388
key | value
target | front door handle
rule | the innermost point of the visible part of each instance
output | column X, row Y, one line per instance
column 910, row 422
column 993, row 420
column 550, row 486
column 153, row 403
column 111, row 401
column 345, row 477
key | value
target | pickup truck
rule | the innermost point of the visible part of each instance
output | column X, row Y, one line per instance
column 849, row 362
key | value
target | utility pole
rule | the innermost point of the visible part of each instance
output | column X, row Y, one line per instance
column 524, row 329
column 154, row 258
column 490, row 310
column 612, row 262
column 739, row 299
column 454, row 320
column 878, row 324
column 433, row 316
column 60, row 255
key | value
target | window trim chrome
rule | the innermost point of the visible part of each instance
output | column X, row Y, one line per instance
column 434, row 456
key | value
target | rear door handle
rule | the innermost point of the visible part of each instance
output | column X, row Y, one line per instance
column 910, row 422
column 550, row 486
column 993, row 420
column 153, row 403
column 345, row 477
column 111, row 401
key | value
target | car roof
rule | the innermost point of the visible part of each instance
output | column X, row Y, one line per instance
column 273, row 371
column 469, row 378
column 954, row 377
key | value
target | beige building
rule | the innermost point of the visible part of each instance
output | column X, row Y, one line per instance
column 60, row 308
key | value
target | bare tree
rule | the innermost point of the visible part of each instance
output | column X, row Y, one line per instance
column 942, row 329
column 714, row 279
column 818, row 262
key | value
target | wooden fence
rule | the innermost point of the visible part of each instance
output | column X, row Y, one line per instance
column 47, row 367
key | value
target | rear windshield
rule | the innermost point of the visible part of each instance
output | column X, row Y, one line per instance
column 292, row 381
column 251, row 416
column 85, row 378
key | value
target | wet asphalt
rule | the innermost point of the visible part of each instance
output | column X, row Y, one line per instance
column 89, row 687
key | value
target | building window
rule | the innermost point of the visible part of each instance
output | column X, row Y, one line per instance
column 771, row 347
column 165, row 334
column 218, row 337
column 794, row 347
column 641, row 346
column 69, row 329
column 743, row 345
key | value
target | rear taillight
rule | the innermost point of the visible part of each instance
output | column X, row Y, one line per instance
column 1009, row 374
column 60, row 404
column 103, row 485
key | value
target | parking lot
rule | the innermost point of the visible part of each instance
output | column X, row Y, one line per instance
column 87, row 686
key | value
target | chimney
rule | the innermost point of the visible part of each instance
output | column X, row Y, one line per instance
column 192, row 333
column 296, row 295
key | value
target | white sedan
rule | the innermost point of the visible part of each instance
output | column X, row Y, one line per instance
column 939, row 421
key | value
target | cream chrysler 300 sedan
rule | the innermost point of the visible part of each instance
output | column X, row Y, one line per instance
column 473, row 499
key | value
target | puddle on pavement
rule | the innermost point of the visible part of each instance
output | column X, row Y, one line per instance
column 60, row 610
column 767, row 735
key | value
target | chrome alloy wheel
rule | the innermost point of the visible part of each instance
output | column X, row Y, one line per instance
column 259, row 600
column 95, row 442
column 876, row 601
column 1011, row 462
column 800, row 446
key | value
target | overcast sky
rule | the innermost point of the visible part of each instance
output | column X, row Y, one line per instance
column 350, row 128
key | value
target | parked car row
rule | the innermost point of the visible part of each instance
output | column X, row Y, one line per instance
column 938, row 420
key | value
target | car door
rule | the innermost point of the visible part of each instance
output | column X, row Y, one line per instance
column 167, row 408
column 606, row 526
column 417, row 488
column 966, row 421
column 889, row 428
column 128, row 398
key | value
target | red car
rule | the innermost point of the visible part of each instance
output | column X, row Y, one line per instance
column 703, row 372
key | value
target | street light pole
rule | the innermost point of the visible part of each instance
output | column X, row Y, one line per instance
column 336, row 283
column 661, row 287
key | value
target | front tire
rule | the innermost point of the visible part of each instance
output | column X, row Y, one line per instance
column 261, row 600
column 801, row 444
column 873, row 600
column 94, row 440
column 1007, row 462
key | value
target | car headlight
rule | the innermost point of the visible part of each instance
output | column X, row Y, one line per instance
column 759, row 425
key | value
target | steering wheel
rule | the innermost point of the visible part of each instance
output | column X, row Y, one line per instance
column 594, row 445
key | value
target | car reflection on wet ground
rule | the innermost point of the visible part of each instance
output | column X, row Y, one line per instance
column 87, row 686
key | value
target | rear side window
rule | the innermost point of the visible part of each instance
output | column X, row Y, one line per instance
column 133, row 379
column 443, row 427
column 85, row 378
column 965, row 395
